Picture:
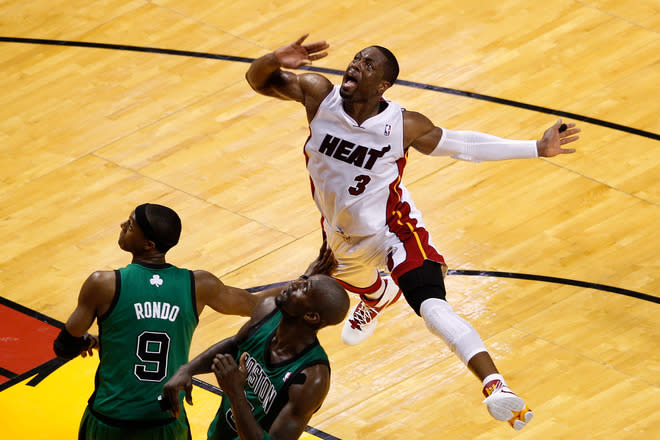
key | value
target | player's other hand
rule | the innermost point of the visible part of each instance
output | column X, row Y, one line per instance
column 553, row 139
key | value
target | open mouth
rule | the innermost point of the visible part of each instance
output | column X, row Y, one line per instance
column 349, row 82
column 351, row 77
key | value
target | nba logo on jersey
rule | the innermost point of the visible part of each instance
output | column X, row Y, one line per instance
column 388, row 129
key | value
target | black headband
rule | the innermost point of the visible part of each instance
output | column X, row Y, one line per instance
column 143, row 223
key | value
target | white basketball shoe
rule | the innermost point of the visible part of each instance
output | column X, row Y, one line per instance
column 503, row 404
column 363, row 318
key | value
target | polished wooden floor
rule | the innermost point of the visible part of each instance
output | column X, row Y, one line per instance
column 87, row 133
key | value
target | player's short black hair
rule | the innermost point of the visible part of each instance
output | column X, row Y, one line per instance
column 163, row 225
column 392, row 66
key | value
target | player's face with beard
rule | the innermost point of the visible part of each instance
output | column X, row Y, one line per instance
column 293, row 301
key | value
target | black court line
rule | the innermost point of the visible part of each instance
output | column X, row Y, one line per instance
column 6, row 373
column 523, row 276
column 40, row 372
column 546, row 279
column 32, row 313
column 473, row 95
column 18, row 378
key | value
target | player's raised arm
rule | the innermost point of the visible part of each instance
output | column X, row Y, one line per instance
column 266, row 76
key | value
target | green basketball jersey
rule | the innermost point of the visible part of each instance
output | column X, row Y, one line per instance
column 144, row 338
column 267, row 383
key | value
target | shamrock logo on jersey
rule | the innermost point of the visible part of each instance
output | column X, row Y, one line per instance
column 156, row 280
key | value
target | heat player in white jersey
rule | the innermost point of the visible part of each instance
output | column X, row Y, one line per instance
column 368, row 215
column 355, row 155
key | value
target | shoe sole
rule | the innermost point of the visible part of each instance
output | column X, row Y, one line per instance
column 505, row 405
column 521, row 419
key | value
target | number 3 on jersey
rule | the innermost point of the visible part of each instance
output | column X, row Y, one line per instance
column 360, row 186
column 153, row 348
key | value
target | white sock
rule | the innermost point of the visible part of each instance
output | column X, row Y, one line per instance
column 494, row 376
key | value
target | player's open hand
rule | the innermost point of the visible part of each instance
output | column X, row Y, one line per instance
column 231, row 377
column 298, row 54
column 324, row 264
column 555, row 137
column 181, row 380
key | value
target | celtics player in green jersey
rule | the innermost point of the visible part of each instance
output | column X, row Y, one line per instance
column 146, row 314
column 273, row 372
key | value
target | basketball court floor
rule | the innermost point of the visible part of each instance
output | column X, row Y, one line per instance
column 556, row 262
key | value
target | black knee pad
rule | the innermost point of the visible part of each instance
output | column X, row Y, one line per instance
column 423, row 283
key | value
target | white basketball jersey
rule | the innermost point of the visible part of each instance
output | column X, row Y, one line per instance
column 356, row 169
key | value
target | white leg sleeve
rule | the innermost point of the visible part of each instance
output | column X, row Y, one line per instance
column 457, row 333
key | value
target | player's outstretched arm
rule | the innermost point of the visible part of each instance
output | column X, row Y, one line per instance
column 222, row 298
column 421, row 134
column 266, row 76
column 229, row 300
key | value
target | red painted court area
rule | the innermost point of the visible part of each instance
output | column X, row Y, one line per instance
column 25, row 342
